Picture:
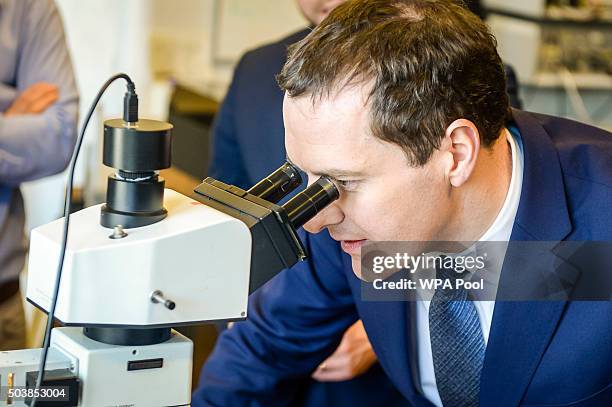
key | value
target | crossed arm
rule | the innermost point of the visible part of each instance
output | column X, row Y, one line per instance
column 39, row 112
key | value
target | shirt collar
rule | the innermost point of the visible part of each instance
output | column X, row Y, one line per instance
column 501, row 228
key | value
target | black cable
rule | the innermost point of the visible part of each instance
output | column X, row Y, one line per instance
column 130, row 105
column 131, row 114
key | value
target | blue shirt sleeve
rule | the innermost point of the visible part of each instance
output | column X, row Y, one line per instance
column 34, row 146
column 294, row 322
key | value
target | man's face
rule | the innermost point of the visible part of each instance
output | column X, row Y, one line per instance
column 315, row 11
column 382, row 197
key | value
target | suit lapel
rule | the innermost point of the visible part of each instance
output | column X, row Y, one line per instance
column 521, row 330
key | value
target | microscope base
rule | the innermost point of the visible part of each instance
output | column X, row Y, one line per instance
column 109, row 375
column 113, row 375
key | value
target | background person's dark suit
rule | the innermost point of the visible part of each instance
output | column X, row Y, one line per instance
column 248, row 134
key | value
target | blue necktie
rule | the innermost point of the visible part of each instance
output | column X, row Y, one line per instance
column 457, row 344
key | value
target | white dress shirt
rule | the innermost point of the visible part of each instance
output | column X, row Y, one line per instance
column 500, row 230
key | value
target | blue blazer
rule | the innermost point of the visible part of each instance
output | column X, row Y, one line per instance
column 248, row 144
column 248, row 131
column 538, row 353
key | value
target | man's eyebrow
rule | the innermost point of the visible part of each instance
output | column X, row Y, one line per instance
column 333, row 173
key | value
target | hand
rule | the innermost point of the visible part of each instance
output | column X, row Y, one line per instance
column 353, row 357
column 33, row 100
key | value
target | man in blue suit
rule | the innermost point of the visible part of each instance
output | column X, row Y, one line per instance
column 248, row 144
column 403, row 104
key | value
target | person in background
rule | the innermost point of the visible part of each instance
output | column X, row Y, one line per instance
column 248, row 144
column 38, row 115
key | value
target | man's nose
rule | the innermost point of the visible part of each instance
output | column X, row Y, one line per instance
column 331, row 215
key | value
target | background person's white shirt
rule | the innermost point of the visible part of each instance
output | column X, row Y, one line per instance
column 500, row 230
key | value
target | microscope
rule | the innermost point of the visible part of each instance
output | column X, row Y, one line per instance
column 147, row 260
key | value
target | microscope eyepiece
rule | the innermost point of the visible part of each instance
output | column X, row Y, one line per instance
column 305, row 205
column 277, row 185
column 275, row 245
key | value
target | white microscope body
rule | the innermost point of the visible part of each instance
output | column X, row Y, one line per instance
column 197, row 257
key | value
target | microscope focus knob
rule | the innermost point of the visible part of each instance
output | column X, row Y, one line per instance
column 158, row 297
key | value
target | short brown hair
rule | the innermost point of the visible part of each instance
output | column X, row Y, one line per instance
column 429, row 63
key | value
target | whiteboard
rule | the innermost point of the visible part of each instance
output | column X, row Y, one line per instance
column 240, row 25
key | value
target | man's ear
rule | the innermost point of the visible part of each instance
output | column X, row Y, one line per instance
column 462, row 141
